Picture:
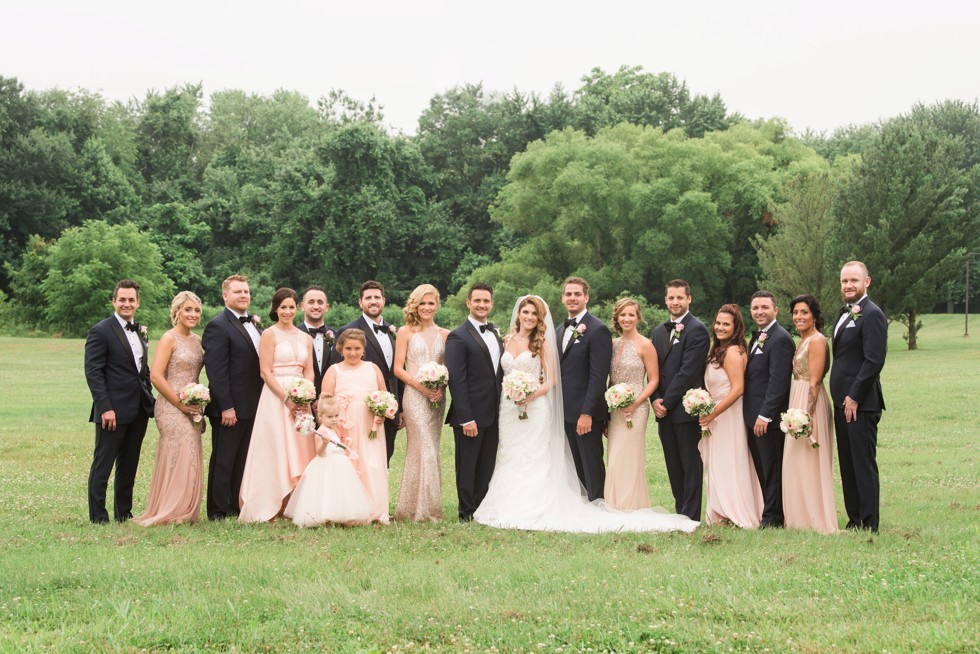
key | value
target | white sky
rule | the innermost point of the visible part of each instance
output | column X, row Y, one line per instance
column 816, row 64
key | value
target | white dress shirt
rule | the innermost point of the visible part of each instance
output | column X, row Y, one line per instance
column 847, row 314
column 490, row 339
column 764, row 330
column 250, row 328
column 382, row 339
column 567, row 336
column 134, row 342
column 317, row 345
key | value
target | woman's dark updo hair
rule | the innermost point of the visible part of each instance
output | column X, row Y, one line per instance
column 814, row 306
column 277, row 299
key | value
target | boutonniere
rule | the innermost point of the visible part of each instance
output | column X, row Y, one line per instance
column 392, row 329
column 762, row 340
column 144, row 334
column 676, row 334
column 855, row 312
column 329, row 337
column 579, row 330
column 496, row 331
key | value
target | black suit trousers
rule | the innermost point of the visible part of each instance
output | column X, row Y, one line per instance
column 857, row 444
column 684, row 467
column 767, row 455
column 122, row 449
column 587, row 455
column 229, row 449
column 476, row 457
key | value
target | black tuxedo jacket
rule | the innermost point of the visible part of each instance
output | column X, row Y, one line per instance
column 232, row 365
column 768, row 376
column 474, row 384
column 681, row 365
column 113, row 378
column 320, row 369
column 374, row 354
column 585, row 370
column 859, row 355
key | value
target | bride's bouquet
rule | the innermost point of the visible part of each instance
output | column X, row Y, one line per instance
column 195, row 395
column 433, row 376
column 620, row 396
column 383, row 405
column 698, row 402
column 518, row 386
column 796, row 423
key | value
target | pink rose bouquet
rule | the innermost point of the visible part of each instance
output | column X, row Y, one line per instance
column 620, row 396
column 433, row 376
column 698, row 402
column 383, row 405
column 195, row 395
column 796, row 423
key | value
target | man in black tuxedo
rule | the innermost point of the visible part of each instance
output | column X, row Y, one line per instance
column 586, row 352
column 118, row 374
column 315, row 306
column 682, row 350
column 860, row 342
column 767, row 381
column 380, row 349
column 473, row 352
column 231, row 360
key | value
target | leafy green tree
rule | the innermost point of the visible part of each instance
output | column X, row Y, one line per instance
column 167, row 137
column 84, row 266
column 657, row 100
column 903, row 213
column 182, row 239
column 25, row 283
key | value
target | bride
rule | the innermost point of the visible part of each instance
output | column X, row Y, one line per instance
column 534, row 485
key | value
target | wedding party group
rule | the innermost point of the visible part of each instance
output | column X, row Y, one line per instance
column 548, row 420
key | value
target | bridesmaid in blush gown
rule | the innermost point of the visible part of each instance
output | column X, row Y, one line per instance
column 808, row 472
column 176, row 486
column 351, row 381
column 277, row 455
column 733, row 490
column 634, row 362
column 419, row 342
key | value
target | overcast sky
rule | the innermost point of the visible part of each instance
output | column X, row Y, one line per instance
column 816, row 64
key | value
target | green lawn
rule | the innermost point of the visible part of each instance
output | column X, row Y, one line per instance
column 66, row 585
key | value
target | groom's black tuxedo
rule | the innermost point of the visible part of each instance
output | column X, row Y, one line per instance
column 319, row 368
column 232, row 365
column 376, row 355
column 859, row 355
column 116, row 385
column 767, row 381
column 584, row 372
column 681, row 369
column 474, row 386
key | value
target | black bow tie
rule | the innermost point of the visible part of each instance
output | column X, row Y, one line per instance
column 571, row 322
column 245, row 319
column 380, row 329
column 670, row 324
column 484, row 328
column 755, row 335
column 132, row 326
column 322, row 330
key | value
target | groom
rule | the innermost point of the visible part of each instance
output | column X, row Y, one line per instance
column 767, row 380
column 231, row 360
column 473, row 352
column 682, row 349
column 860, row 342
column 380, row 349
column 118, row 375
column 586, row 353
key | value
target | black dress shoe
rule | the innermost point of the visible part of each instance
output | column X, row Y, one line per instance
column 771, row 525
column 466, row 518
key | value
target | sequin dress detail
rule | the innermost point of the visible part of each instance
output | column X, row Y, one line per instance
column 420, row 497
column 626, row 475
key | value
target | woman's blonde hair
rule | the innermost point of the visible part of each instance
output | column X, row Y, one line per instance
column 619, row 307
column 326, row 403
column 411, row 309
column 178, row 303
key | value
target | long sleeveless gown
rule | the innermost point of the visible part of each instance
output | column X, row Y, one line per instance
column 808, row 473
column 626, row 474
column 733, row 489
column 277, row 455
column 353, row 387
column 177, row 485
column 420, row 497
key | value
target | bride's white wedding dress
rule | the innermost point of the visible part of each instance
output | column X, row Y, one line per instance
column 534, row 485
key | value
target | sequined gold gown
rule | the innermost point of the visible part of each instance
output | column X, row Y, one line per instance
column 420, row 497
column 626, row 475
column 176, row 486
column 808, row 473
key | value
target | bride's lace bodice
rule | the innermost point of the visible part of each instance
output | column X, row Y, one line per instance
column 523, row 361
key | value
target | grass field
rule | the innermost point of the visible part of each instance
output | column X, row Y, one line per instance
column 68, row 586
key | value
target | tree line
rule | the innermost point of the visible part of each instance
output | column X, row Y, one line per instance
column 629, row 180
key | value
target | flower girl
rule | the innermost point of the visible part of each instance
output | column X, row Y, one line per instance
column 329, row 490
